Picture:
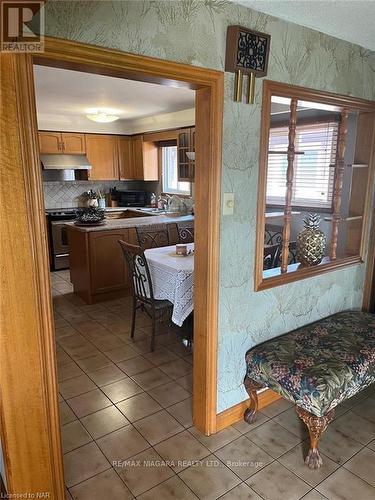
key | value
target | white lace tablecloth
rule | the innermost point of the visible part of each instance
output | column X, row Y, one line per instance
column 173, row 279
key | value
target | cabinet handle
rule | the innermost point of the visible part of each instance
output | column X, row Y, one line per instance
column 62, row 146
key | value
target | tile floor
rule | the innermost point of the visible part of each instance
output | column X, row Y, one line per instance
column 127, row 429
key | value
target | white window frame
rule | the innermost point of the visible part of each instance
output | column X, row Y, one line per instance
column 169, row 174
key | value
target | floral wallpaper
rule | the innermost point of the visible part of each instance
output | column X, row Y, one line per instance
column 194, row 32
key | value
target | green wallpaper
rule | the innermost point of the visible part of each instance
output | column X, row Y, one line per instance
column 193, row 32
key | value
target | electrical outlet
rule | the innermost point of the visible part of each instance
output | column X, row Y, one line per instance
column 228, row 203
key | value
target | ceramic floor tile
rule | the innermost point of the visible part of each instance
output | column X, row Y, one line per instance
column 314, row 495
column 363, row 465
column 243, row 427
column 83, row 463
column 172, row 489
column 107, row 484
column 186, row 382
column 121, row 353
column 76, row 386
column 123, row 389
column 66, row 413
column 107, row 375
column 294, row 460
column 68, row 370
column 275, row 482
column 366, row 409
column 243, row 457
column 104, row 421
column 138, row 407
column 88, row 403
column 338, row 446
column 217, row 440
column 291, row 422
column 273, row 438
column 372, row 445
column 210, row 479
column 181, row 450
column 183, row 412
column 144, row 471
column 343, row 485
column 176, row 369
column 122, row 444
column 276, row 408
column 135, row 365
column 241, row 492
column 355, row 427
column 160, row 356
column 158, row 427
column 94, row 362
column 73, row 435
column 169, row 394
column 151, row 378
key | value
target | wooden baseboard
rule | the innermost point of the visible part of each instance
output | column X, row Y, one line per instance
column 235, row 413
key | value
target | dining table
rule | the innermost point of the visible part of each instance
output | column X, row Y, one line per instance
column 172, row 279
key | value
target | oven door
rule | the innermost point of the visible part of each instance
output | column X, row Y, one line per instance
column 59, row 235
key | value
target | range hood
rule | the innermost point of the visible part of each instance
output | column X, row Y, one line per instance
column 63, row 162
column 63, row 168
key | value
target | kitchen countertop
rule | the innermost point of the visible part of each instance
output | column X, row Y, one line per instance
column 132, row 222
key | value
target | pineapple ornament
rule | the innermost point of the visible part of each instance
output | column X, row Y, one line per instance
column 311, row 242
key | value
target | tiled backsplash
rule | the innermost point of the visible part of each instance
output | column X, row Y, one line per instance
column 69, row 194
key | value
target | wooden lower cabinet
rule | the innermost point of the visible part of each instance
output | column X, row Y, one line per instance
column 97, row 267
column 108, row 268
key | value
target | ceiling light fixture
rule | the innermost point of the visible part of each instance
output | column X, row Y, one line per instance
column 102, row 117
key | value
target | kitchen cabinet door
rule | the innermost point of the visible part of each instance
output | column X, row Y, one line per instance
column 73, row 143
column 107, row 263
column 145, row 159
column 50, row 142
column 125, row 157
column 185, row 144
column 101, row 151
column 137, row 150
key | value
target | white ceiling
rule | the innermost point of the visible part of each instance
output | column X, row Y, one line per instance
column 351, row 20
column 64, row 97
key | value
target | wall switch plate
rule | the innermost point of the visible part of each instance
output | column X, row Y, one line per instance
column 228, row 203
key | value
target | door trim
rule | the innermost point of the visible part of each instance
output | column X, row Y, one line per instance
column 38, row 451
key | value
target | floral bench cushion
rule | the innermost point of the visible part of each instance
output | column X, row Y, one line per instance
column 319, row 365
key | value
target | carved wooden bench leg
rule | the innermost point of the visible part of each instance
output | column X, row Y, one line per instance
column 316, row 426
column 251, row 413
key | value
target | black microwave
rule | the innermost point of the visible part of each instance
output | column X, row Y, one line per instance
column 133, row 198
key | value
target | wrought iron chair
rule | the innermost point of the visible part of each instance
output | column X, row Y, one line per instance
column 152, row 236
column 185, row 231
column 141, row 285
column 270, row 253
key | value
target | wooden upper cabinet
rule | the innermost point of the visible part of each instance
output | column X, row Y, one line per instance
column 185, row 144
column 125, row 157
column 145, row 159
column 101, row 151
column 50, row 142
column 73, row 143
column 137, row 152
column 62, row 143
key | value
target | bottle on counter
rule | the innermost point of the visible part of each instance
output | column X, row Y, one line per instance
column 153, row 201
column 113, row 200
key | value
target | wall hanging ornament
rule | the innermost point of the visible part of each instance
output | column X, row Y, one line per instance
column 247, row 54
column 311, row 242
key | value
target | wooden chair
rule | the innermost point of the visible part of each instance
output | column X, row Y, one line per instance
column 141, row 286
column 152, row 236
column 270, row 253
column 185, row 231
column 292, row 257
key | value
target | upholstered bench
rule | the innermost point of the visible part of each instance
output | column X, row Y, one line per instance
column 316, row 367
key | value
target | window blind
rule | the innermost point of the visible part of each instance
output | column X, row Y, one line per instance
column 313, row 170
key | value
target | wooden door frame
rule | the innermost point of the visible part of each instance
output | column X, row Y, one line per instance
column 29, row 415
